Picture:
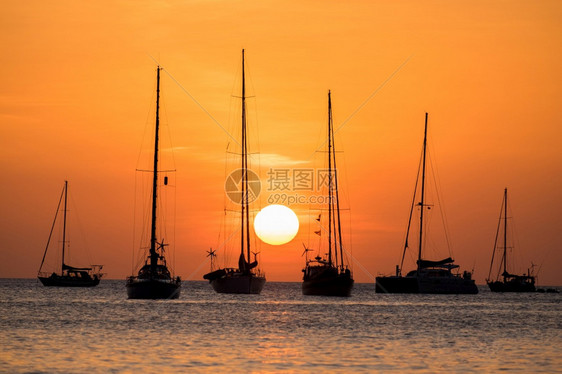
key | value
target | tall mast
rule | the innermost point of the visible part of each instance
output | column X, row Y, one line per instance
column 153, row 254
column 64, row 222
column 339, row 239
column 245, row 197
column 505, row 235
column 422, row 195
column 329, row 178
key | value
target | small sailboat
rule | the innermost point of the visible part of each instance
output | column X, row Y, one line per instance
column 430, row 277
column 329, row 276
column 154, row 280
column 509, row 282
column 247, row 278
column 69, row 276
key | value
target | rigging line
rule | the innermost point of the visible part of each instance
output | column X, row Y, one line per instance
column 499, row 267
column 169, row 132
column 190, row 276
column 348, row 199
column 542, row 262
column 146, row 126
column 350, row 240
column 174, row 230
column 496, row 242
column 194, row 100
column 51, row 232
column 437, row 183
column 406, row 246
column 134, row 228
column 145, row 221
column 381, row 86
column 337, row 204
column 255, row 128
column 371, row 276
column 515, row 260
column 76, row 217
column 225, row 242
column 323, row 229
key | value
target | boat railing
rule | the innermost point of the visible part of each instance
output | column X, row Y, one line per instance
column 259, row 273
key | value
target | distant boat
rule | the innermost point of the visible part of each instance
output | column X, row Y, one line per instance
column 331, row 276
column 430, row 277
column 69, row 276
column 154, row 280
column 510, row 282
column 246, row 279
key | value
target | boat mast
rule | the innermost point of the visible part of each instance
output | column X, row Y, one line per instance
column 64, row 223
column 339, row 239
column 505, row 235
column 422, row 195
column 153, row 254
column 330, row 178
column 245, row 197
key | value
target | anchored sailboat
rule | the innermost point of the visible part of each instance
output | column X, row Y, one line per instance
column 430, row 276
column 510, row 282
column 246, row 279
column 69, row 276
column 154, row 280
column 331, row 276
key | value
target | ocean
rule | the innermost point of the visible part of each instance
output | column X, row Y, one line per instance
column 98, row 330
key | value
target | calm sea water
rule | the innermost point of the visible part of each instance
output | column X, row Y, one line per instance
column 62, row 330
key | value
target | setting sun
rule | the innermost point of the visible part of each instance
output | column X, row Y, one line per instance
column 276, row 224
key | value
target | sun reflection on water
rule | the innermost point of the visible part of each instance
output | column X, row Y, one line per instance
column 99, row 330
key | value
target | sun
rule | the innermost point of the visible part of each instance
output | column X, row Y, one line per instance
column 276, row 224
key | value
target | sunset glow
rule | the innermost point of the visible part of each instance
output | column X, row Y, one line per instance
column 78, row 82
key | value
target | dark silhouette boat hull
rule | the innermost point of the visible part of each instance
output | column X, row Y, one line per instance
column 396, row 285
column 327, row 282
column 333, row 287
column 153, row 289
column 67, row 281
column 511, row 286
column 238, row 284
column 425, row 285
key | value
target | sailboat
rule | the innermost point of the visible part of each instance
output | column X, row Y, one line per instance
column 430, row 277
column 69, row 276
column 154, row 280
column 510, row 282
column 247, row 278
column 329, row 276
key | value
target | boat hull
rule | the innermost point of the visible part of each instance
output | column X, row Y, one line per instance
column 239, row 284
column 325, row 280
column 511, row 286
column 335, row 286
column 67, row 281
column 153, row 289
column 396, row 285
column 425, row 285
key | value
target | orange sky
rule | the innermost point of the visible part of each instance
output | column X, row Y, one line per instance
column 77, row 89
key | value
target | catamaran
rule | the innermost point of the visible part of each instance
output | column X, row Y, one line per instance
column 430, row 276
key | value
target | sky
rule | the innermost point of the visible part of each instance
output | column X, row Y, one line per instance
column 77, row 104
